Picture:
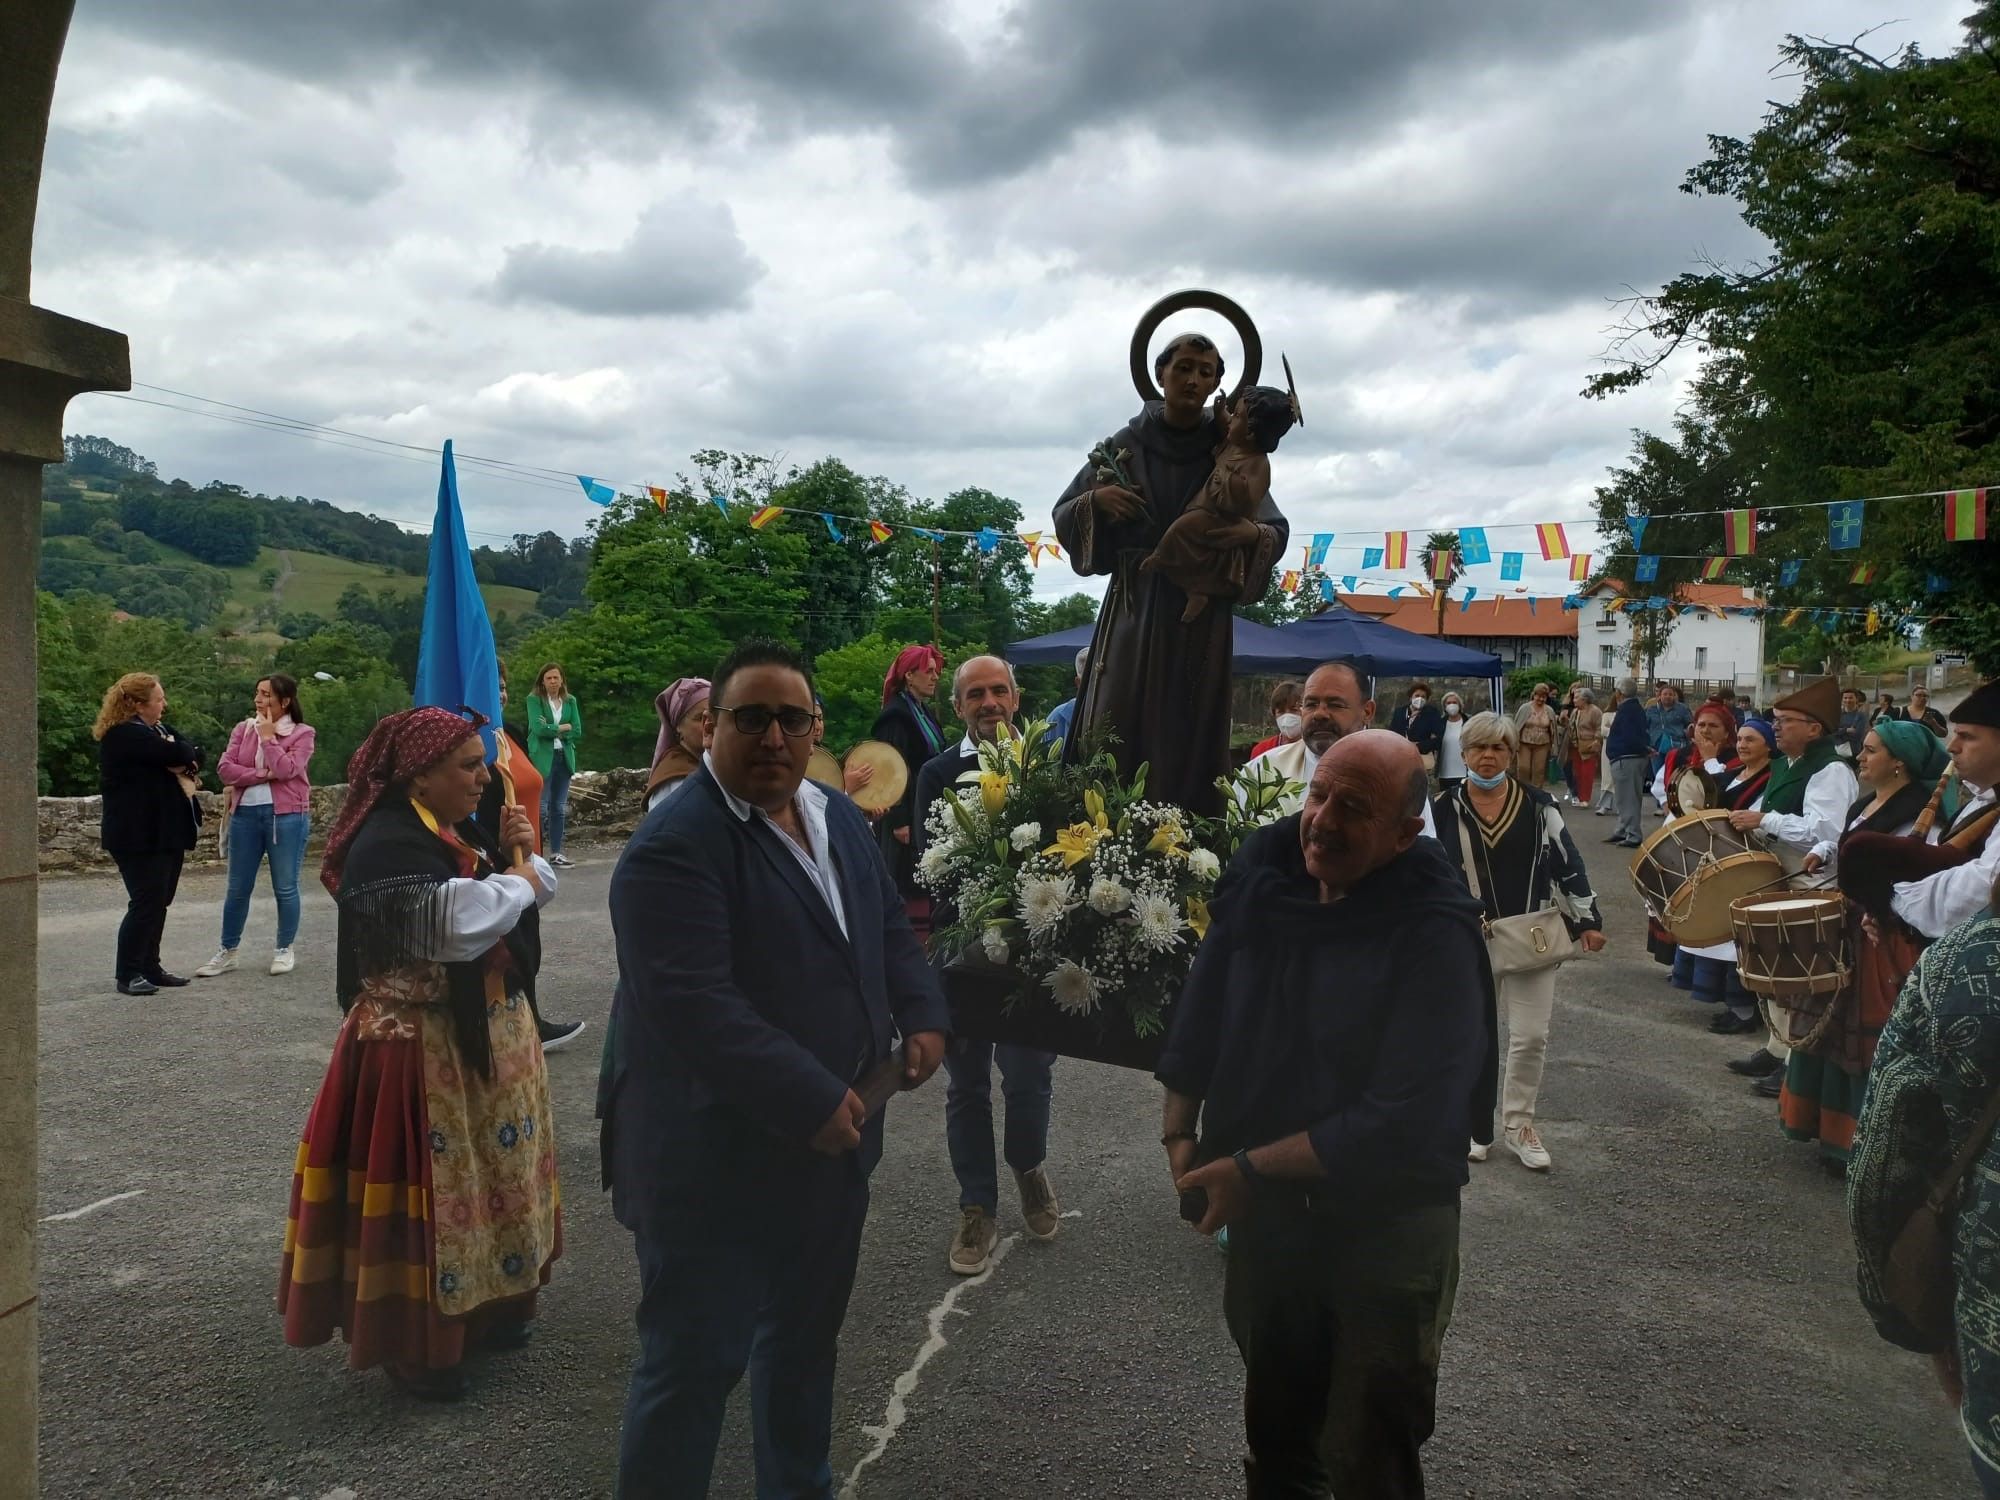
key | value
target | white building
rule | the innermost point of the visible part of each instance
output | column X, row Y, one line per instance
column 1707, row 644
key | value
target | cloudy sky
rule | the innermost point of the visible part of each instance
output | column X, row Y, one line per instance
column 915, row 234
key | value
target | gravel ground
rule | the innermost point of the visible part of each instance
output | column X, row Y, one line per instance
column 1670, row 1312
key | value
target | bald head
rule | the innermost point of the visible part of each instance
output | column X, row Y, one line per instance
column 983, row 693
column 1364, row 807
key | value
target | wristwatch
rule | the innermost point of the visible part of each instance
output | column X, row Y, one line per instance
column 1251, row 1175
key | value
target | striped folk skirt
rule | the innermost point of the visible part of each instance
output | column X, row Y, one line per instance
column 425, row 1206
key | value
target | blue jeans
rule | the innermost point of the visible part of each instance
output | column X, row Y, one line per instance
column 1988, row 1476
column 753, row 1284
column 255, row 834
column 968, row 1115
column 555, row 803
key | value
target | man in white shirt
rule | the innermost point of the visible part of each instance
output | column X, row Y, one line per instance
column 1334, row 705
column 1811, row 788
column 1938, row 903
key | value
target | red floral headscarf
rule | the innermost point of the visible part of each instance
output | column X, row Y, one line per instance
column 401, row 746
column 909, row 659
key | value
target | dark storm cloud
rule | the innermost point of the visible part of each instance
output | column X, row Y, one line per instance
column 683, row 257
column 1278, row 71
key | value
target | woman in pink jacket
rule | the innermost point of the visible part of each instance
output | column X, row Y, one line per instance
column 270, row 808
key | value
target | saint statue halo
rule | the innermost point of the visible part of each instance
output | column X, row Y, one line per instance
column 1183, row 301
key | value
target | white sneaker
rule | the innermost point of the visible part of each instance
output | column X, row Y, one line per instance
column 282, row 961
column 1528, row 1146
column 222, row 963
column 561, row 861
column 1478, row 1152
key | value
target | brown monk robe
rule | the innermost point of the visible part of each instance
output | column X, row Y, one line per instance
column 1159, row 685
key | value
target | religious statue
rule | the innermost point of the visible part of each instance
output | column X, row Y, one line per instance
column 1158, row 679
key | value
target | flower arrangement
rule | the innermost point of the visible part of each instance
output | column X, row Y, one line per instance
column 1093, row 896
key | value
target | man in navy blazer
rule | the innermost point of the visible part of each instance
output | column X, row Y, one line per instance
column 765, row 966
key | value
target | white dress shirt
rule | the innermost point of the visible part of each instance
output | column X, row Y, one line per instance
column 1829, row 794
column 1938, row 903
column 1298, row 763
column 816, row 859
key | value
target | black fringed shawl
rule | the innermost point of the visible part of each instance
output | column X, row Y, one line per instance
column 394, row 909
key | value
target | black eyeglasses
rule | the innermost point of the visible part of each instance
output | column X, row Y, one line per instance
column 754, row 718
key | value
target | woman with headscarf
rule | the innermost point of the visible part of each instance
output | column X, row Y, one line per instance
column 906, row 721
column 424, row 1206
column 1899, row 767
column 683, row 710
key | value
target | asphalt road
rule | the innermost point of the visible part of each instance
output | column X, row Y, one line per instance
column 1670, row 1312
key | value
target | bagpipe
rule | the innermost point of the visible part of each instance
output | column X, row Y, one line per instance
column 1872, row 865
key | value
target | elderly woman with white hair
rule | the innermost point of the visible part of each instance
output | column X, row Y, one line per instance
column 1511, row 846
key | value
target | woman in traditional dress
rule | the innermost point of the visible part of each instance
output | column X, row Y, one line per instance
column 1711, row 746
column 1756, row 743
column 425, row 1212
column 683, row 710
column 906, row 721
column 1509, row 840
column 1899, row 767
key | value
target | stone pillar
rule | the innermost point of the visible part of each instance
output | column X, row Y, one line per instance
column 45, row 359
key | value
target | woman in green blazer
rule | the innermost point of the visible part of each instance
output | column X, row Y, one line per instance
column 555, row 724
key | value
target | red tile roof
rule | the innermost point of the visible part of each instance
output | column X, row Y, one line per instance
column 1485, row 617
column 1710, row 595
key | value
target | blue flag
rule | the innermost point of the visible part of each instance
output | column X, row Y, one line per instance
column 597, row 494
column 719, row 503
column 831, row 529
column 456, row 662
column 1371, row 557
column 1347, row 582
column 1466, row 603
column 1936, row 583
column 1316, row 553
column 1637, row 526
column 988, row 539
column 1472, row 545
column 1510, row 567
column 1326, row 590
column 1531, row 604
column 1572, row 601
column 1789, row 573
column 1843, row 526
column 1647, row 569
column 1396, row 592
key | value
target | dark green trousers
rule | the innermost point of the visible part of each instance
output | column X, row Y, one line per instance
column 1340, row 1313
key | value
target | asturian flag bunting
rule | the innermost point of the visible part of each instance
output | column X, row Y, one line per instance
column 595, row 493
column 1371, row 557
column 1555, row 545
column 832, row 530
column 1739, row 532
column 1789, row 573
column 1965, row 516
column 1472, row 546
column 1510, row 566
column 720, row 503
column 1396, row 548
column 1646, row 569
column 1637, row 526
column 1843, row 526
column 1316, row 553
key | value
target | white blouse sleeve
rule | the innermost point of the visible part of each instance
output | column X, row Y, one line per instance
column 481, row 912
column 1938, row 903
column 1829, row 794
column 1660, row 784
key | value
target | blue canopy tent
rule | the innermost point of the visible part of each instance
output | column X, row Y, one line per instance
column 1377, row 648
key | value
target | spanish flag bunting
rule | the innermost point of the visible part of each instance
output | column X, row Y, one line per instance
column 765, row 515
column 1396, row 549
column 1965, row 516
column 880, row 532
column 1739, row 532
column 1441, row 565
column 1712, row 569
column 1032, row 540
column 1579, row 567
column 1555, row 546
column 1289, row 584
column 1053, row 550
column 658, row 496
column 1874, row 619
column 1862, row 574
column 1792, row 615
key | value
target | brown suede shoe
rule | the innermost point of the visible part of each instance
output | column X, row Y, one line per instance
column 1038, row 1203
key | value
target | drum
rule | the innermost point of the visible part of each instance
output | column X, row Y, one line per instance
column 1794, row 949
column 885, row 787
column 1690, row 871
column 824, row 769
column 1693, row 790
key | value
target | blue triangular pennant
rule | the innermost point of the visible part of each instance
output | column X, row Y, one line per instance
column 597, row 494
column 1637, row 526
column 831, row 529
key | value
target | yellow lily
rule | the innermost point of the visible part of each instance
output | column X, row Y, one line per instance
column 1079, row 841
column 1197, row 916
column 1093, row 803
column 1168, row 838
column 993, row 791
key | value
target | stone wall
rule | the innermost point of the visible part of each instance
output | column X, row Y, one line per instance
column 603, row 806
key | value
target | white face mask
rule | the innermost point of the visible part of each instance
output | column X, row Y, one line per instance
column 1418, row 701
column 1290, row 726
column 1451, row 710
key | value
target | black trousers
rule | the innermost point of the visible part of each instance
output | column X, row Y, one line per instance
column 1340, row 1313
column 150, row 883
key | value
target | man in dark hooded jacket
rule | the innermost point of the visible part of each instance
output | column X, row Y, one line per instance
column 1335, row 1089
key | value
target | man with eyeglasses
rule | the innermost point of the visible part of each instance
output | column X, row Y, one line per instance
column 1334, row 704
column 765, row 968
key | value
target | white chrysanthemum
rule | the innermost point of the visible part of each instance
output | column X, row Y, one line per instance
column 1203, row 863
column 936, row 858
column 1044, row 902
column 1159, row 923
column 1027, row 836
column 1074, row 988
column 993, row 942
column 1109, row 898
